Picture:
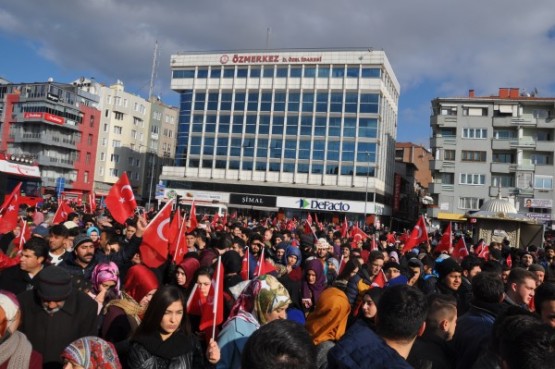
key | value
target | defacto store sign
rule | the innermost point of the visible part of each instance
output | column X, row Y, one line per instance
column 267, row 59
column 329, row 205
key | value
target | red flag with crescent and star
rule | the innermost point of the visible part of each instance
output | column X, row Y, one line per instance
column 121, row 200
column 154, row 249
column 193, row 222
column 418, row 235
column 61, row 213
column 9, row 212
column 446, row 241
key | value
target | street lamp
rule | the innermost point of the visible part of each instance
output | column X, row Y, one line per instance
column 366, row 191
column 152, row 169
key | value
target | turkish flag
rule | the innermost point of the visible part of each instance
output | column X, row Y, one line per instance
column 215, row 219
column 193, row 222
column 177, row 239
column 460, row 251
column 245, row 265
column 263, row 266
column 446, row 240
column 234, row 215
column 121, row 200
column 358, row 234
column 61, row 213
column 154, row 249
column 391, row 238
column 344, row 228
column 9, row 212
column 418, row 235
column 224, row 220
column 482, row 250
column 24, row 235
column 509, row 261
column 92, row 202
column 380, row 280
column 210, row 308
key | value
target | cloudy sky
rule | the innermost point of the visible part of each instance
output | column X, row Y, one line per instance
column 436, row 47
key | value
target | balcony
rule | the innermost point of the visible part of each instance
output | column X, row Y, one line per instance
column 497, row 144
column 525, row 167
column 44, row 139
column 47, row 161
column 443, row 141
column 502, row 167
column 436, row 164
column 51, row 182
column 434, row 188
column 523, row 121
column 524, row 143
column 545, row 146
column 444, row 120
column 502, row 122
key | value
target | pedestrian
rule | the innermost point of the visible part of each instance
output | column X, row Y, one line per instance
column 90, row 353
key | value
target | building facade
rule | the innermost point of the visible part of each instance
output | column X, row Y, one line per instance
column 299, row 130
column 136, row 136
column 55, row 125
column 488, row 146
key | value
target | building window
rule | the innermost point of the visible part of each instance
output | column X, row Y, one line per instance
column 504, row 134
column 102, row 156
column 503, row 157
column 502, row 180
column 90, row 140
column 116, row 143
column 88, row 158
column 477, row 133
column 448, row 178
column 473, row 156
column 475, row 112
column 470, row 203
column 105, row 127
column 114, row 158
column 118, row 115
column 542, row 159
column 543, row 182
column 114, row 172
column 117, row 130
column 86, row 177
column 448, row 110
column 472, row 179
column 101, row 171
column 449, row 155
column 104, row 141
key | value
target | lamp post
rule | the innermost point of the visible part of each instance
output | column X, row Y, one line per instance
column 152, row 169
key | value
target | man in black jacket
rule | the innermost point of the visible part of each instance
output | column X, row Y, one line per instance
column 19, row 278
column 55, row 314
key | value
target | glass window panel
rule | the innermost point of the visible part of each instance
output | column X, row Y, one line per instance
column 371, row 72
column 242, row 72
column 202, row 73
column 275, row 167
column 338, row 71
column 352, row 72
column 295, row 72
column 281, row 72
column 229, row 72
column 215, row 72
column 310, row 71
column 323, row 71
column 255, row 72
column 346, row 169
column 268, row 71
column 317, row 168
column 261, row 166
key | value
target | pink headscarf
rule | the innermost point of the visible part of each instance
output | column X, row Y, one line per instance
column 104, row 272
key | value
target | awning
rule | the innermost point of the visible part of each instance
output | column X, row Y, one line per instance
column 451, row 216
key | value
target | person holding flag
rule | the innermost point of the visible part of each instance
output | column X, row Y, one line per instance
column 163, row 340
column 263, row 300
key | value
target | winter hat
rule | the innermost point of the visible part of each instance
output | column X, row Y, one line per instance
column 9, row 306
column 447, row 266
column 232, row 261
column 81, row 238
column 70, row 224
column 53, row 284
column 391, row 264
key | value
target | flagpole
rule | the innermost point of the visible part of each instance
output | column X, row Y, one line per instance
column 179, row 235
column 260, row 260
column 22, row 235
column 248, row 263
column 216, row 294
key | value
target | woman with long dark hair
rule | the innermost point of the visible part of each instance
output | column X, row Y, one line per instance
column 164, row 339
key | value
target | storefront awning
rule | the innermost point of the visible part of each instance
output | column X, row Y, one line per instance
column 451, row 216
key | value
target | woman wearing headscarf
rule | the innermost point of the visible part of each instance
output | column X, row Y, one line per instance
column 164, row 339
column 262, row 301
column 123, row 316
column 293, row 259
column 94, row 234
column 90, row 353
column 368, row 308
column 314, row 282
column 16, row 352
column 185, row 274
column 327, row 323
column 105, row 284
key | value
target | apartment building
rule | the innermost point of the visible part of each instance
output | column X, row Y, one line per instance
column 490, row 146
column 54, row 125
column 287, row 130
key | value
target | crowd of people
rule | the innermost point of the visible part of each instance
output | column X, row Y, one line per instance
column 260, row 294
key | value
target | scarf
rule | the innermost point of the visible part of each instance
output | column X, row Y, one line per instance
column 328, row 321
column 128, row 305
column 17, row 349
column 92, row 352
column 177, row 344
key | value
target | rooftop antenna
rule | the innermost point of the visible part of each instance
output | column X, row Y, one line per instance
column 268, row 33
column 153, row 72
